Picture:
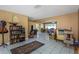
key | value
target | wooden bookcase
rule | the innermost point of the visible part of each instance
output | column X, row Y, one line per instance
column 17, row 34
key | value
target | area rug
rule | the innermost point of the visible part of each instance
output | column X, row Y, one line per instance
column 27, row 48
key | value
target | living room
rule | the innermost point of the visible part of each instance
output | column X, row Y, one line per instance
column 35, row 22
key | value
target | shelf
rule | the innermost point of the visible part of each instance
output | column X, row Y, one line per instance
column 17, row 34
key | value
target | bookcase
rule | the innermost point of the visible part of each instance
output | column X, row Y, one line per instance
column 17, row 34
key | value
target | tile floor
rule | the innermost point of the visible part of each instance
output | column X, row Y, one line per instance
column 50, row 46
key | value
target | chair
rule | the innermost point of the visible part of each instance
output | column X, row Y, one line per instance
column 69, row 40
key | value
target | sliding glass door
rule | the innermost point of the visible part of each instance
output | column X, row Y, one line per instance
column 50, row 25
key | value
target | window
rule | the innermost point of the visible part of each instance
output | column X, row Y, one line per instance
column 51, row 25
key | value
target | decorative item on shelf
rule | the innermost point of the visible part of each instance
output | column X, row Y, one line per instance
column 14, row 24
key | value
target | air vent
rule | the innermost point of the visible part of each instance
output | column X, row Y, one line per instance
column 37, row 6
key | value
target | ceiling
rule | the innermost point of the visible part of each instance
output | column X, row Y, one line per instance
column 40, row 11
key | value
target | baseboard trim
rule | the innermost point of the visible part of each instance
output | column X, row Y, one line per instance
column 8, row 43
column 26, row 38
column 5, row 44
column 0, row 44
